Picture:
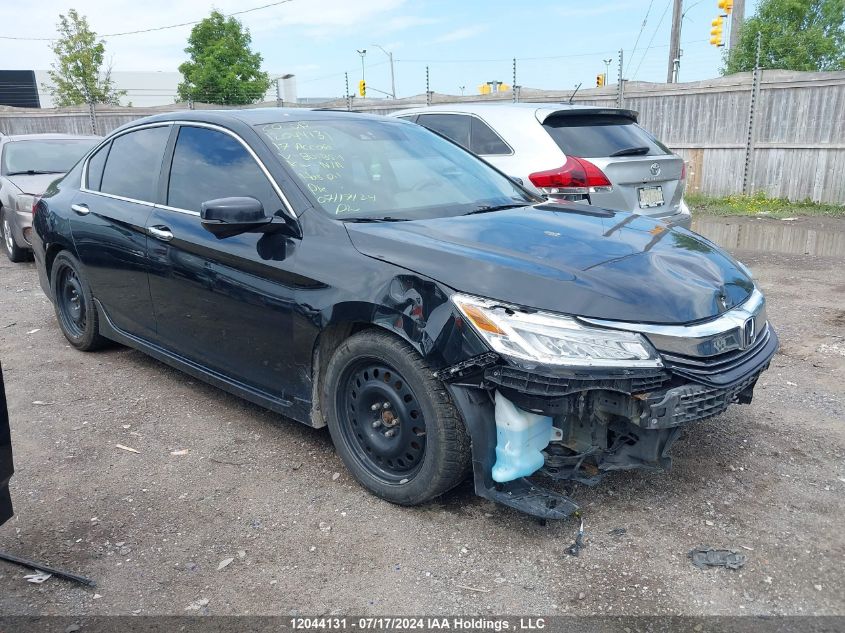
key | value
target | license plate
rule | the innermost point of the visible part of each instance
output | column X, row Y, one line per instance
column 650, row 197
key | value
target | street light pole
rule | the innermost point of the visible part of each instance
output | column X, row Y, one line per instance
column 606, row 68
column 362, row 52
column 392, row 76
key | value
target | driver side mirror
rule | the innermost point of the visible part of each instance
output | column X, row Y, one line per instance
column 226, row 217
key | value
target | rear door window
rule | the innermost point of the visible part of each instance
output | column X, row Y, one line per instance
column 485, row 141
column 595, row 136
column 209, row 164
column 95, row 167
column 134, row 163
column 453, row 126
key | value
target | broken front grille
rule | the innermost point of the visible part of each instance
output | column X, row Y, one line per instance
column 692, row 402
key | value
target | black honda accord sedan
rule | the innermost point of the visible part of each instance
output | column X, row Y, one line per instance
column 368, row 275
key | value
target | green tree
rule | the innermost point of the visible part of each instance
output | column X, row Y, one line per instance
column 795, row 35
column 78, row 76
column 222, row 69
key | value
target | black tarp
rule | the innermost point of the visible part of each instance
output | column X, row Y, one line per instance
column 18, row 88
column 6, row 466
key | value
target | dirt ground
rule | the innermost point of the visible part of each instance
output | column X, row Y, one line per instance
column 153, row 527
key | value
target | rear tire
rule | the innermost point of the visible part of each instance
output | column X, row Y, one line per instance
column 14, row 252
column 409, row 452
column 74, row 304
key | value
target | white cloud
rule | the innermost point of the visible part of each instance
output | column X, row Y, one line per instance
column 463, row 33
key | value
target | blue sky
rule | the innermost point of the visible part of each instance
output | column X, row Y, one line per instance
column 557, row 44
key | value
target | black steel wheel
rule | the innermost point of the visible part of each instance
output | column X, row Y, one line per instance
column 74, row 304
column 70, row 302
column 381, row 418
column 392, row 422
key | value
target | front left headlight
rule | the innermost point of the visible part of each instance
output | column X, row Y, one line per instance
column 552, row 339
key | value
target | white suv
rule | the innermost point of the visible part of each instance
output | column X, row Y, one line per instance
column 589, row 153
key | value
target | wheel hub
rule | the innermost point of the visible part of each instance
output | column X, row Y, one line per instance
column 71, row 304
column 383, row 421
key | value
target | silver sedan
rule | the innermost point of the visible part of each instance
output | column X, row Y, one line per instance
column 28, row 164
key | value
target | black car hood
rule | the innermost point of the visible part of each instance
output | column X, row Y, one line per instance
column 567, row 258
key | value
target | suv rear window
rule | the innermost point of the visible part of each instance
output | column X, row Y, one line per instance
column 594, row 136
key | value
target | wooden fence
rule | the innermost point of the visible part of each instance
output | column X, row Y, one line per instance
column 794, row 146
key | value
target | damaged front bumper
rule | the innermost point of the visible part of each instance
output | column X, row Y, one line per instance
column 603, row 420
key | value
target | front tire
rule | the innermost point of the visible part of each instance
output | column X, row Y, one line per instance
column 392, row 422
column 14, row 252
column 74, row 304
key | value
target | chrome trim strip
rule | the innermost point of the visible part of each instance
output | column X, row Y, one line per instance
column 711, row 338
column 177, row 210
column 84, row 179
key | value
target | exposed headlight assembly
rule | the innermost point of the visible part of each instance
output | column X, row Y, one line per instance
column 552, row 339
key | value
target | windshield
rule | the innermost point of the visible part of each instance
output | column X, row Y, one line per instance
column 44, row 157
column 366, row 169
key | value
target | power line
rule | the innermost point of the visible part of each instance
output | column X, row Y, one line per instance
column 648, row 48
column 150, row 30
column 639, row 35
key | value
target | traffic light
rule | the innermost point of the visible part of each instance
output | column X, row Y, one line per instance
column 717, row 30
column 600, row 80
column 362, row 88
column 726, row 6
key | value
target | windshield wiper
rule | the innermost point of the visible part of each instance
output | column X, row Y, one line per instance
column 32, row 172
column 366, row 220
column 631, row 151
column 497, row 207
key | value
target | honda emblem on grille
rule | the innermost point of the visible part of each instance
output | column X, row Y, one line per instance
column 749, row 332
column 655, row 169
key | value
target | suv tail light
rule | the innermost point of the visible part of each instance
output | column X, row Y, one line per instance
column 577, row 176
column 683, row 170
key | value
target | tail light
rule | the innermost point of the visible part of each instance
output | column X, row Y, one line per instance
column 683, row 170
column 577, row 176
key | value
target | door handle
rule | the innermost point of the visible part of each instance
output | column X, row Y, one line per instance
column 160, row 233
column 80, row 209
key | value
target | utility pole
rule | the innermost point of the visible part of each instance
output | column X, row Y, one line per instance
column 675, row 41
column 278, row 94
column 392, row 75
column 747, row 183
column 427, row 89
column 348, row 100
column 737, row 18
column 620, row 86
column 514, row 87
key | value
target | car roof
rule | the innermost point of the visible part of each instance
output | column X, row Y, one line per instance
column 541, row 111
column 255, row 116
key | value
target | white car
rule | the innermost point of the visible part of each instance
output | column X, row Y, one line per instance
column 595, row 154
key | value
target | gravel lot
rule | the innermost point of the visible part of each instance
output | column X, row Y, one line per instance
column 272, row 497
